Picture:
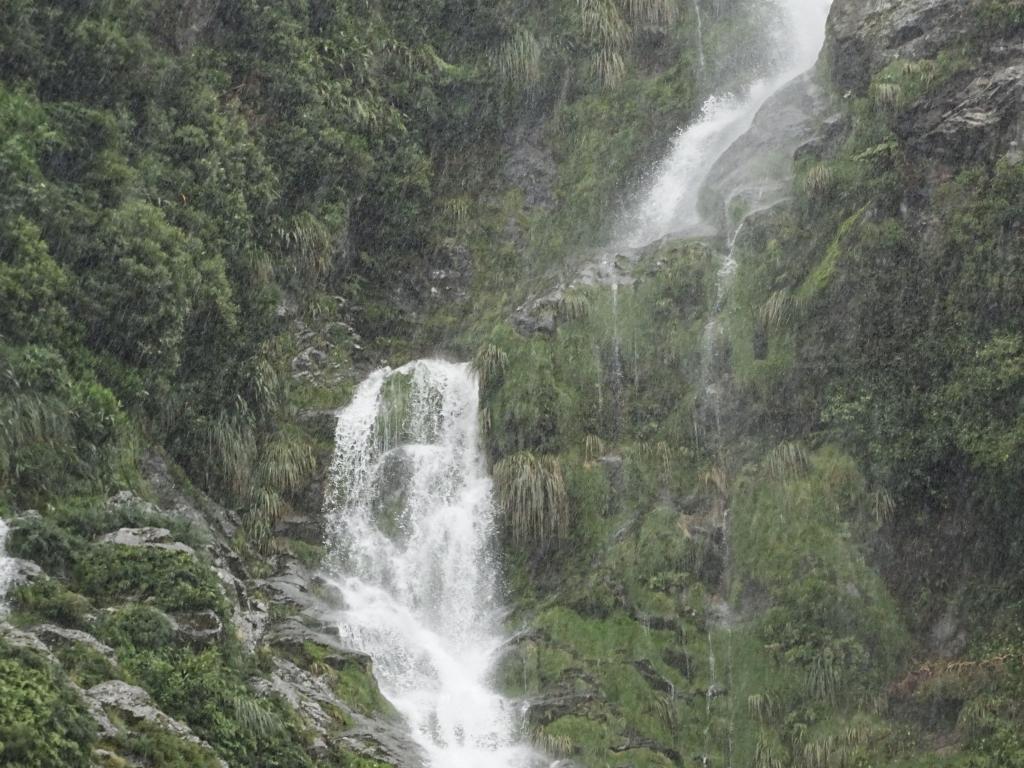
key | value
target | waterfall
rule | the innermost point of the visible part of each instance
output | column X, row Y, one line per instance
column 411, row 533
column 6, row 568
column 669, row 205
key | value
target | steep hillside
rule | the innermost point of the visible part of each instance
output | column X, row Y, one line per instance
column 757, row 481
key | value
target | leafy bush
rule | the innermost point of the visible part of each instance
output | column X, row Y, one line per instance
column 171, row 579
column 43, row 722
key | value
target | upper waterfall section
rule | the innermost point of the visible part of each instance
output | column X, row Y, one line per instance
column 668, row 204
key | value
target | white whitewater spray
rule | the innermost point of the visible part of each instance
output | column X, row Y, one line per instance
column 6, row 568
column 412, row 530
column 669, row 205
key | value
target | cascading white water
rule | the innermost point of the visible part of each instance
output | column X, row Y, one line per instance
column 412, row 529
column 669, row 205
column 6, row 568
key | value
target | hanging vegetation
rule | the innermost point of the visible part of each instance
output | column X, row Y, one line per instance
column 531, row 491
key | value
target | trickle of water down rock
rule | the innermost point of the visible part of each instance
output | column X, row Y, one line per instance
column 412, row 528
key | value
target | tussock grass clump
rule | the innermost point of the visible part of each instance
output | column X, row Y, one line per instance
column 231, row 442
column 776, row 310
column 554, row 744
column 573, row 305
column 27, row 419
column 307, row 242
column 824, row 676
column 593, row 448
column 764, row 707
column 768, row 754
column 888, row 96
column 715, row 480
column 517, row 60
column 490, row 363
column 788, row 460
column 820, row 180
column 603, row 23
column 652, row 13
column 531, row 490
column 286, row 463
column 883, row 506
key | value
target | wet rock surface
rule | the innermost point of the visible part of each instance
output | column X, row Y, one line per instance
column 756, row 172
column 865, row 35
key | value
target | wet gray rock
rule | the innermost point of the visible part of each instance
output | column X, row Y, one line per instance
column 320, row 422
column 22, row 572
column 21, row 639
column 135, row 704
column 947, row 638
column 530, row 166
column 199, row 628
column 536, row 318
column 384, row 738
column 206, row 516
column 159, row 538
column 54, row 636
column 756, row 172
column 865, row 35
column 974, row 121
column 302, row 590
column 294, row 636
column 546, row 709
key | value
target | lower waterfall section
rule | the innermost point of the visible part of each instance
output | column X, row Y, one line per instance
column 411, row 530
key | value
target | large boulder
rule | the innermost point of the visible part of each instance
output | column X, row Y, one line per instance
column 159, row 538
column 134, row 704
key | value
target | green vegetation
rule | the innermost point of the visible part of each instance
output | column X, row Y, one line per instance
column 43, row 722
column 729, row 529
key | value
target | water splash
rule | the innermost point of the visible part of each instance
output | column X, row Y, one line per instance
column 411, row 530
column 670, row 203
